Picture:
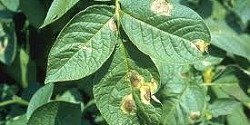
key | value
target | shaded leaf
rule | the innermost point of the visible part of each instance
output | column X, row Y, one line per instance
column 223, row 107
column 242, row 8
column 238, row 117
column 228, row 40
column 56, row 113
column 8, row 42
column 34, row 11
column 19, row 120
column 230, row 82
column 41, row 97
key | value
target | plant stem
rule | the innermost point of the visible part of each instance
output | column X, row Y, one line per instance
column 14, row 101
column 117, row 15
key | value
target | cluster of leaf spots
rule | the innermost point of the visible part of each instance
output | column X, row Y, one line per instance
column 147, row 89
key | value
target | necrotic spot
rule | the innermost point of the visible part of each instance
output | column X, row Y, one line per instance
column 161, row 7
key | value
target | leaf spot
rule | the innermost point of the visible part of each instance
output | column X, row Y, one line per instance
column 195, row 115
column 86, row 48
column 161, row 7
column 145, row 94
column 200, row 45
column 112, row 25
column 135, row 79
column 128, row 104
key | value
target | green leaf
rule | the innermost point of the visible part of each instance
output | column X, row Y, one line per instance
column 56, row 113
column 184, row 101
column 230, row 82
column 71, row 95
column 57, row 9
column 41, row 97
column 83, row 45
column 19, row 120
column 242, row 8
column 167, row 32
column 7, row 42
column 223, row 107
column 227, row 39
column 12, row 5
column 238, row 117
column 128, row 69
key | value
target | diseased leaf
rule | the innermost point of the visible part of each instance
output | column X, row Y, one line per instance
column 128, row 69
column 57, row 9
column 223, row 107
column 169, row 33
column 56, row 113
column 41, row 97
column 147, row 114
column 83, row 45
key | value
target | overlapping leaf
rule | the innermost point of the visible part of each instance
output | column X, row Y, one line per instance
column 166, row 32
column 58, row 9
column 242, row 8
column 83, row 45
column 230, row 82
column 227, row 39
column 128, row 69
column 41, row 97
column 183, row 98
column 56, row 113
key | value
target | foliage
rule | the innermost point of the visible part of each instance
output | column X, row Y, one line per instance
column 157, row 62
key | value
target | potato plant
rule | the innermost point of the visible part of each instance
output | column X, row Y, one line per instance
column 125, row 62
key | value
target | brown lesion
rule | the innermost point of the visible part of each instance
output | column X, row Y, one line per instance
column 147, row 88
column 128, row 105
column 200, row 45
column 135, row 79
column 145, row 94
